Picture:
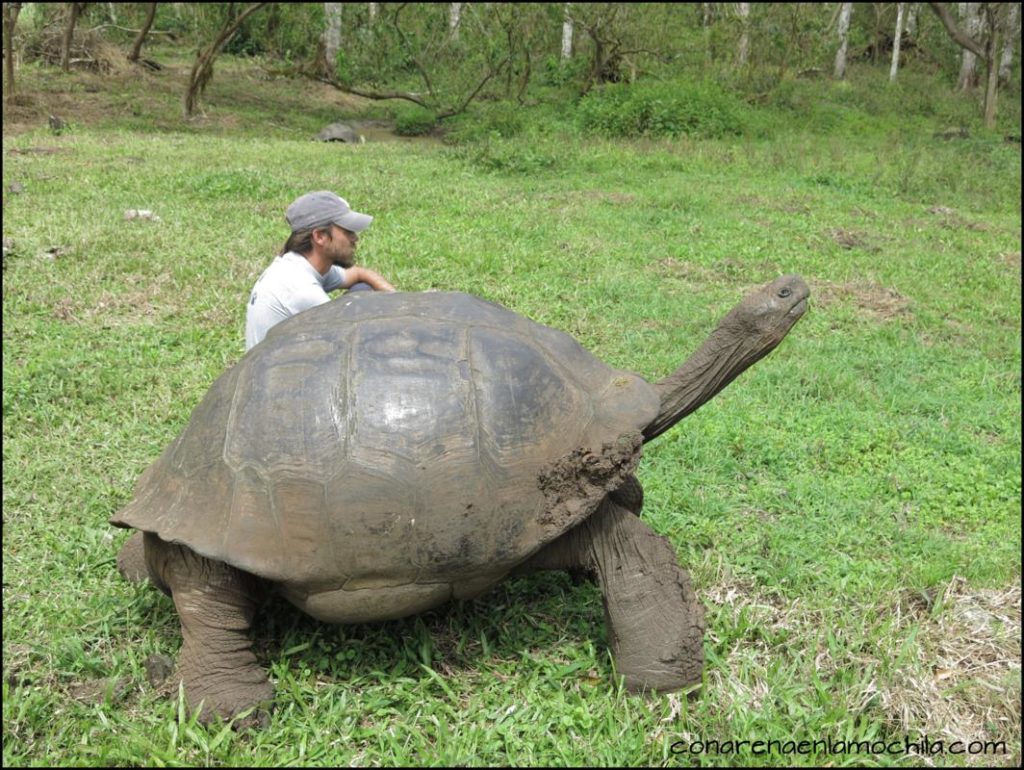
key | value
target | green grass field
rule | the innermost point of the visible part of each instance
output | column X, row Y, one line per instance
column 848, row 508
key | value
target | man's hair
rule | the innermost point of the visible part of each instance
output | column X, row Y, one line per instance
column 301, row 241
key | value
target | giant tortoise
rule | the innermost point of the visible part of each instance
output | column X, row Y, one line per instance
column 379, row 455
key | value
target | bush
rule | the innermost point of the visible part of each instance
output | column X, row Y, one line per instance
column 415, row 121
column 503, row 120
column 867, row 101
column 560, row 72
column 663, row 109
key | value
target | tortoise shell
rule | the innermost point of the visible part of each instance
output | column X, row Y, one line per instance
column 382, row 453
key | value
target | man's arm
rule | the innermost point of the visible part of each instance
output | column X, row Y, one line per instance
column 354, row 275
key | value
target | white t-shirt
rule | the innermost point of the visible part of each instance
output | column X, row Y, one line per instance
column 288, row 286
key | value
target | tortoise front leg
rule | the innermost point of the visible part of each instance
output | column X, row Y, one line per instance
column 655, row 623
column 216, row 604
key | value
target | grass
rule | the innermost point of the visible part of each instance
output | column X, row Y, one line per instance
column 849, row 508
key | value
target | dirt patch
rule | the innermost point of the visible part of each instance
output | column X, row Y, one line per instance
column 1011, row 259
column 964, row 682
column 851, row 239
column 142, row 302
column 871, row 299
column 951, row 220
column 99, row 691
column 948, row 664
column 687, row 271
column 35, row 150
column 86, row 99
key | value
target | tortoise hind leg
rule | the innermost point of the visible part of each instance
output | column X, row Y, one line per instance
column 216, row 604
column 132, row 563
column 655, row 623
column 131, row 559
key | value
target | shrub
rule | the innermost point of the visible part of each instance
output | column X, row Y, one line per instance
column 663, row 109
column 504, row 120
column 561, row 72
column 415, row 121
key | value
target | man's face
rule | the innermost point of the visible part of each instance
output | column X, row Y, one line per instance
column 340, row 247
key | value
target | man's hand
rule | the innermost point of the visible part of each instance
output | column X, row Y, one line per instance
column 354, row 275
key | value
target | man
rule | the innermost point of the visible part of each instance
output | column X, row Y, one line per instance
column 319, row 257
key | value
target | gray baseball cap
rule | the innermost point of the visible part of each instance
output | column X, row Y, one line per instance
column 319, row 209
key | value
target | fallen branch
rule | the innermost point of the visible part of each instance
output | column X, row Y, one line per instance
column 170, row 33
column 375, row 95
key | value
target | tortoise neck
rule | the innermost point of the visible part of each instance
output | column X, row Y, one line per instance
column 723, row 357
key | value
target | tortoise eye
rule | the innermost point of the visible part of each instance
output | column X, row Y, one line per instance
column 785, row 292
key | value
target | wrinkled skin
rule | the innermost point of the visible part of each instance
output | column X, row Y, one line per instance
column 655, row 622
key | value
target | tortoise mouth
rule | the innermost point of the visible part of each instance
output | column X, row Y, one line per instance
column 798, row 309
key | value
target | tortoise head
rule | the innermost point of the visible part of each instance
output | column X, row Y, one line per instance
column 761, row 320
column 748, row 333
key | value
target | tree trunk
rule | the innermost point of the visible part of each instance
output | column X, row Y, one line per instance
column 844, row 35
column 137, row 46
column 989, row 52
column 912, row 9
column 992, row 65
column 566, row 32
column 1012, row 30
column 743, row 50
column 74, row 11
column 330, row 40
column 901, row 9
column 706, row 17
column 968, row 79
column 11, row 11
column 454, row 15
column 202, row 70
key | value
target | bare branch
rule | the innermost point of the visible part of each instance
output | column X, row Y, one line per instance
column 376, row 95
column 408, row 47
column 960, row 37
column 491, row 72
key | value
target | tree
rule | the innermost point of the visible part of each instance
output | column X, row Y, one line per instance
column 202, row 70
column 1012, row 31
column 743, row 50
column 417, row 39
column 454, row 16
column 912, row 9
column 330, row 40
column 839, row 71
column 971, row 15
column 707, row 16
column 996, row 16
column 901, row 9
column 11, row 11
column 566, row 32
column 146, row 25
column 74, row 11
